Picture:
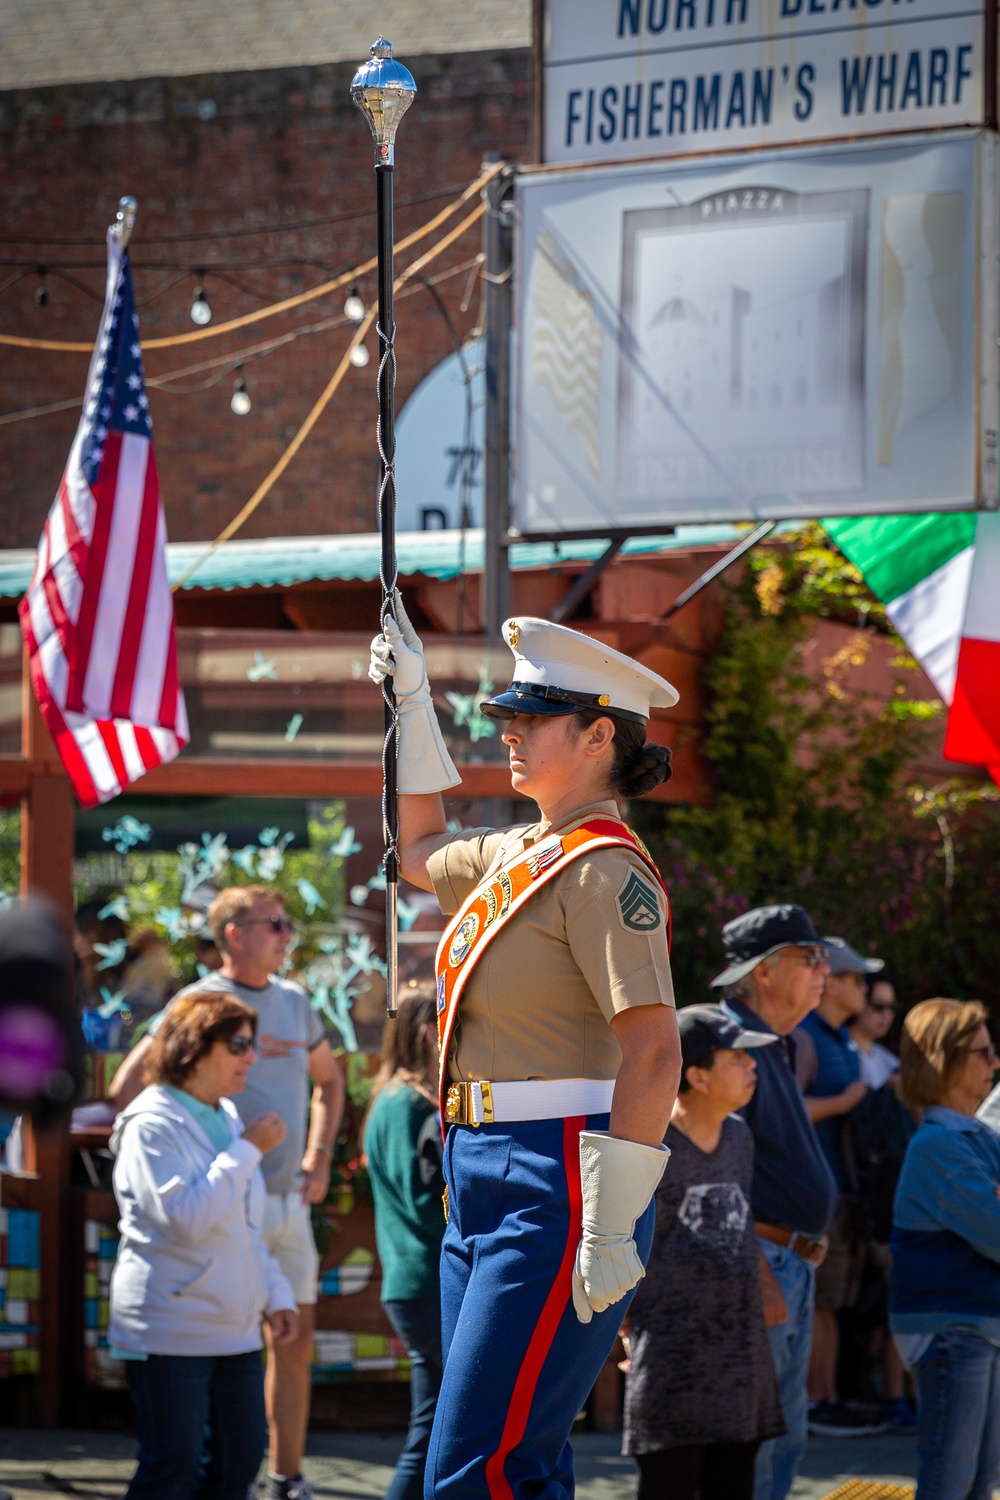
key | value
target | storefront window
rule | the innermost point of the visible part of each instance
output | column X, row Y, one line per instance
column 298, row 695
column 147, row 869
column 145, row 873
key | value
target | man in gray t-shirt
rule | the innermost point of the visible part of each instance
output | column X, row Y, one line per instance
column 252, row 933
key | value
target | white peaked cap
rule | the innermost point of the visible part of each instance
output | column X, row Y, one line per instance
column 554, row 659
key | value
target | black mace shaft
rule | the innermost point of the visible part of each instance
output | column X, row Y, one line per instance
column 387, row 527
column 383, row 90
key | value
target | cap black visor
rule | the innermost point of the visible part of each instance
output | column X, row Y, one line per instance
column 547, row 702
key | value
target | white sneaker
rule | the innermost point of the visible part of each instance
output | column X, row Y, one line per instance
column 300, row 1489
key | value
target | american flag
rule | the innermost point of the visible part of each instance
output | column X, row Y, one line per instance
column 98, row 619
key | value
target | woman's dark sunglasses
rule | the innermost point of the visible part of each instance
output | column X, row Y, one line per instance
column 239, row 1046
column 882, row 1007
column 284, row 925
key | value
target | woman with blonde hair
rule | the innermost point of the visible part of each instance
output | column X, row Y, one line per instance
column 402, row 1143
column 944, row 1286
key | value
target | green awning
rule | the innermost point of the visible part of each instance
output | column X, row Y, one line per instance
column 281, row 562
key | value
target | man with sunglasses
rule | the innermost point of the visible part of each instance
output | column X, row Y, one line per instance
column 773, row 979
column 253, row 932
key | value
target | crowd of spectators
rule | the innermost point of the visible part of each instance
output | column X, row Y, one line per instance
column 827, row 1246
column 873, row 1183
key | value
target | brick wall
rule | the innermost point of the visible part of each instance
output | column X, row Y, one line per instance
column 231, row 152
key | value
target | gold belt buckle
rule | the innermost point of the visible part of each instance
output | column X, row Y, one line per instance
column 462, row 1099
column 455, row 1104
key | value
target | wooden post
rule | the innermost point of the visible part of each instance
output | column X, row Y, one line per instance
column 47, row 836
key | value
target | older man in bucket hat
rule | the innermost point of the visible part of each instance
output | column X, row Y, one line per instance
column 773, row 979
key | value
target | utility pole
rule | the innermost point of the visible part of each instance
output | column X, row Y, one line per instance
column 497, row 242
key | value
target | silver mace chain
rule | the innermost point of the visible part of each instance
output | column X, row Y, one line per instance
column 390, row 834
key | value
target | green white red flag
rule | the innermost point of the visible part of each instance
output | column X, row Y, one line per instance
column 938, row 576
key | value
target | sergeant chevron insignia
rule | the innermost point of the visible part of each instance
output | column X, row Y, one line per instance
column 638, row 908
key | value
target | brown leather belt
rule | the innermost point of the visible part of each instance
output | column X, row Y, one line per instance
column 811, row 1250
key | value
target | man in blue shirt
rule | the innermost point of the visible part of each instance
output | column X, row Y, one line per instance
column 828, row 1067
column 773, row 979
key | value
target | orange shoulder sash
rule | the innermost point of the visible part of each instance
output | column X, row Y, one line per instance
column 491, row 906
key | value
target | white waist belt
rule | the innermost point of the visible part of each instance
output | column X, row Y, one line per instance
column 482, row 1102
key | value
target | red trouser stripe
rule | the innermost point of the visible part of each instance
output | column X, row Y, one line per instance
column 556, row 1302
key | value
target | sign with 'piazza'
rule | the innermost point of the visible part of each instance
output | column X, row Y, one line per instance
column 634, row 78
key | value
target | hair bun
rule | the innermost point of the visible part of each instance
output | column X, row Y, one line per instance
column 647, row 770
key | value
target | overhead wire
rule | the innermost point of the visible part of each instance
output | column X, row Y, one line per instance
column 267, row 484
column 225, row 363
column 344, row 216
column 287, row 303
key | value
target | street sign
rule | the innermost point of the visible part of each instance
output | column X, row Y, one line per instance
column 760, row 336
column 650, row 78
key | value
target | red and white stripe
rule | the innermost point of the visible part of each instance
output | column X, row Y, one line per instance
column 973, row 734
column 98, row 622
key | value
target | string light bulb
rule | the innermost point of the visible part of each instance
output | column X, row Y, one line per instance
column 201, row 313
column 354, row 308
column 240, row 401
column 360, row 356
column 41, row 290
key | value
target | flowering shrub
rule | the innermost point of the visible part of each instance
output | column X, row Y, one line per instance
column 816, row 801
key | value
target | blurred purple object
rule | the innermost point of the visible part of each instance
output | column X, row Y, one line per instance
column 41, row 1047
column 32, row 1048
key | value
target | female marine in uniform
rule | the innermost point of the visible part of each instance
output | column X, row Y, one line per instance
column 560, row 1057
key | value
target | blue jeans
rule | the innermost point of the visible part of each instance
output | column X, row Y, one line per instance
column 958, row 1441
column 418, row 1323
column 200, row 1423
column 779, row 1458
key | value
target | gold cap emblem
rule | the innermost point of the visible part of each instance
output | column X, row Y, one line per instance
column 513, row 635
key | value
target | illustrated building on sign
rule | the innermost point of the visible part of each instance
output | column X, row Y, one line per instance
column 726, row 360
column 741, row 368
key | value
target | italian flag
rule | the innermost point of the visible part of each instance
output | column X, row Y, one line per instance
column 939, row 578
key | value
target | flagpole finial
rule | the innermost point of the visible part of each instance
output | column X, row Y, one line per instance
column 383, row 90
column 125, row 220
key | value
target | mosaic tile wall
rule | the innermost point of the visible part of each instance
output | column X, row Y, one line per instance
column 20, row 1290
column 100, row 1245
column 338, row 1353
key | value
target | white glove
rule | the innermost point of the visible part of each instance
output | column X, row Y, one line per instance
column 424, row 764
column 618, row 1179
column 399, row 654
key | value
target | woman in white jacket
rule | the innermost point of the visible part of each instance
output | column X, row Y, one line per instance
column 193, row 1278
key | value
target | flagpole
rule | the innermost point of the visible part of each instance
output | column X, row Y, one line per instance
column 383, row 90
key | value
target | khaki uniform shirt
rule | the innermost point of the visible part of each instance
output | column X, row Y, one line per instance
column 588, row 944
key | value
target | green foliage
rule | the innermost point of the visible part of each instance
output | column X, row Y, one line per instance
column 10, row 851
column 814, row 796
